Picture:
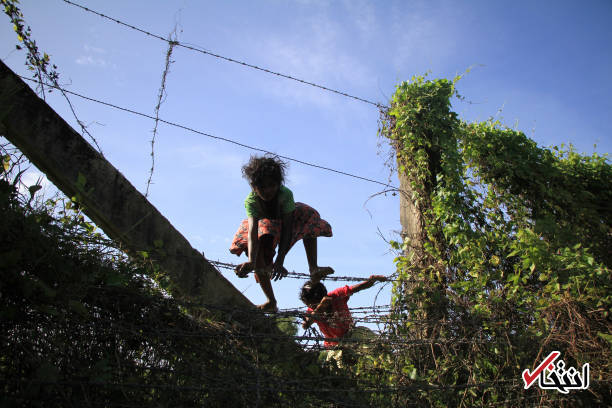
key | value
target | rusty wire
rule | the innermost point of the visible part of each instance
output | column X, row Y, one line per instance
column 224, row 139
column 245, row 64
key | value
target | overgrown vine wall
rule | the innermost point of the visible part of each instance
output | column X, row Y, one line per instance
column 513, row 260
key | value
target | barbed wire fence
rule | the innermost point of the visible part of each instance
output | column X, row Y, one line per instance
column 173, row 42
column 220, row 138
column 145, row 343
column 228, row 59
column 161, row 97
column 40, row 65
column 145, row 333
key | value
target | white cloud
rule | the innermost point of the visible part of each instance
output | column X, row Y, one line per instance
column 209, row 156
column 89, row 60
column 93, row 57
column 95, row 50
column 315, row 53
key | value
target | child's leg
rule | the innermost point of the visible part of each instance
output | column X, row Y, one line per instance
column 316, row 272
column 264, row 281
column 263, row 273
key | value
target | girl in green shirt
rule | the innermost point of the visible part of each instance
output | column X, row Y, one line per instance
column 273, row 218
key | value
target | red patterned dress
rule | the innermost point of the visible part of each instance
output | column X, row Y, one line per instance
column 306, row 223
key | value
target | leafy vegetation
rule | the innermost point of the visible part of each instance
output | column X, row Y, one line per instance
column 82, row 325
column 509, row 259
column 513, row 258
column 39, row 65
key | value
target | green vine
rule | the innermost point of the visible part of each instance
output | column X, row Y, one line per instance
column 40, row 65
column 514, row 250
column 44, row 73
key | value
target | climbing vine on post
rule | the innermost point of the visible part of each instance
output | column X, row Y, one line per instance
column 420, row 126
column 506, row 252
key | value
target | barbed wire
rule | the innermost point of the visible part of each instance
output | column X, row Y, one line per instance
column 254, row 314
column 381, row 338
column 161, row 97
column 302, row 385
column 216, row 137
column 203, row 51
column 142, row 332
column 40, row 64
column 293, row 274
column 345, row 342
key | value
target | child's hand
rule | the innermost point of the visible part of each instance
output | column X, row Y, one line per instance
column 378, row 278
column 243, row 269
column 278, row 272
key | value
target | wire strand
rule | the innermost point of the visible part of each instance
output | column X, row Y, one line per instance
column 200, row 50
column 213, row 136
column 293, row 274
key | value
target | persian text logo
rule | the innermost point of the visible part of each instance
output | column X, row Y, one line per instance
column 554, row 376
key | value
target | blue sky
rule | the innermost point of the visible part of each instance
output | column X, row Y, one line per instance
column 542, row 67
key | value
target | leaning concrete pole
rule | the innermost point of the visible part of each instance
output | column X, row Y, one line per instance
column 108, row 198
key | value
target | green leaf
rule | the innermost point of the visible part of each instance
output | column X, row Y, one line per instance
column 606, row 337
column 6, row 162
column 495, row 260
column 513, row 253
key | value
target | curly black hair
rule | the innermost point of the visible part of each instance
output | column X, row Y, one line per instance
column 312, row 292
column 264, row 167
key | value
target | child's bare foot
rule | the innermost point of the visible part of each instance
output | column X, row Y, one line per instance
column 320, row 273
column 268, row 307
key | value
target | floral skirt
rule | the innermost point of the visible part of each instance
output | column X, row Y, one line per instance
column 307, row 223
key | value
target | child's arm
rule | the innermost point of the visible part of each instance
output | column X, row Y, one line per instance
column 253, row 248
column 279, row 270
column 323, row 305
column 368, row 283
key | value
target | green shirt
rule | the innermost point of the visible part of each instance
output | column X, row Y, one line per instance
column 256, row 207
